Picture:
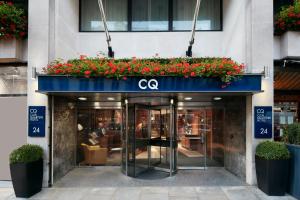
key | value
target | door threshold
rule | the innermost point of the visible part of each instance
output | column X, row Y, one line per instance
column 192, row 168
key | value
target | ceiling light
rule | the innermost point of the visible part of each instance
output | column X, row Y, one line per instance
column 188, row 98
column 217, row 98
column 110, row 98
column 82, row 98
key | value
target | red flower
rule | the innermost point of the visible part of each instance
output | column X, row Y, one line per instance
column 10, row 3
column 156, row 69
column 87, row 73
column 193, row 74
column 125, row 78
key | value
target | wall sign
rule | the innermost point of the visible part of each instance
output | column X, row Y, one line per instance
column 263, row 121
column 151, row 84
column 36, row 121
column 162, row 84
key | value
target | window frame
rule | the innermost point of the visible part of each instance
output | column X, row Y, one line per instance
column 170, row 19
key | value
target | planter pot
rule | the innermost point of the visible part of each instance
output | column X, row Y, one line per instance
column 11, row 51
column 27, row 178
column 290, row 44
column 272, row 176
column 294, row 171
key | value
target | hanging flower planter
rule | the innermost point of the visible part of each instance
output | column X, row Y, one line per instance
column 224, row 69
column 288, row 19
column 13, row 29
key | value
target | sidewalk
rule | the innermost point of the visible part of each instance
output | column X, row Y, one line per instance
column 148, row 193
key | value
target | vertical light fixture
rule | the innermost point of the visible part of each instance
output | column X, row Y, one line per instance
column 33, row 73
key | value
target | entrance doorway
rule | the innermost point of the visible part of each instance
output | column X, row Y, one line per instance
column 148, row 136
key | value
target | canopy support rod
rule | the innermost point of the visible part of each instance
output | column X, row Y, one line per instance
column 108, row 38
column 189, row 52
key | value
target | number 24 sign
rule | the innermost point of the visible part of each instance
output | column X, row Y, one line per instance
column 263, row 121
column 36, row 121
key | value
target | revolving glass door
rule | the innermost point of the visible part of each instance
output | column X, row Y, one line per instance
column 149, row 139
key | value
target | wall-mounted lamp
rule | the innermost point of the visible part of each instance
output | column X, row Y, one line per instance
column 266, row 72
column 33, row 73
column 126, row 101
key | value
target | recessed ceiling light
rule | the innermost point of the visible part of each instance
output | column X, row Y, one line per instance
column 110, row 98
column 217, row 98
column 188, row 98
column 82, row 98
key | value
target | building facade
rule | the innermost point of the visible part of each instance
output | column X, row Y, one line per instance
column 242, row 30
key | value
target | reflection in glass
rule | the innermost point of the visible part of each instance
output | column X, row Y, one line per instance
column 149, row 15
column 115, row 11
column 209, row 15
column 13, row 80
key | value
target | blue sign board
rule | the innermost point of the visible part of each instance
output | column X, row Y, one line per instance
column 263, row 122
column 36, row 121
column 165, row 84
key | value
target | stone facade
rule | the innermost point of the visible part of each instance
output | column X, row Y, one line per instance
column 235, row 136
column 64, row 137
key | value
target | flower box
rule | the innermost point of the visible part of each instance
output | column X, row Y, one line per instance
column 11, row 50
column 290, row 44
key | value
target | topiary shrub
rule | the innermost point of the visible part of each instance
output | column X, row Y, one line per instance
column 26, row 154
column 291, row 134
column 270, row 150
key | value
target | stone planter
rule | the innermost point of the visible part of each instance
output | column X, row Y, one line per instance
column 294, row 175
column 11, row 51
column 290, row 44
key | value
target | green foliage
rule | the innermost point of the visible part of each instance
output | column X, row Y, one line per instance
column 13, row 22
column 288, row 19
column 270, row 150
column 26, row 153
column 291, row 134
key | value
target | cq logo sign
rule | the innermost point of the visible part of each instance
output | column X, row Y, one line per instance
column 260, row 111
column 33, row 111
column 151, row 84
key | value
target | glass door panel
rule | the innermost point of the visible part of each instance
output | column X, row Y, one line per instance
column 142, row 136
column 192, row 132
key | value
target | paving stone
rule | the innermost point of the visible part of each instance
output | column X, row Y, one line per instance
column 183, row 192
column 240, row 193
column 127, row 194
column 153, row 196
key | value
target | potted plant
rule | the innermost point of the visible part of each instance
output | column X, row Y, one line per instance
column 26, row 168
column 272, row 160
column 291, row 137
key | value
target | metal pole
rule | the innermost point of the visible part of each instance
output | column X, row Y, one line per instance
column 108, row 38
column 189, row 52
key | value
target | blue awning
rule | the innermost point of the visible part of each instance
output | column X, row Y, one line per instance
column 162, row 84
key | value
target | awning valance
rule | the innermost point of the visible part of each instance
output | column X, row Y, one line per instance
column 161, row 84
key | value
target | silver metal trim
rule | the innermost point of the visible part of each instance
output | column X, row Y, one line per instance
column 126, row 136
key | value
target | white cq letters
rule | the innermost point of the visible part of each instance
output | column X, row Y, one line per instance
column 151, row 84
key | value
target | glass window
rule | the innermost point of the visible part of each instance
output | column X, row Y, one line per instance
column 150, row 15
column 13, row 80
column 115, row 11
column 209, row 15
